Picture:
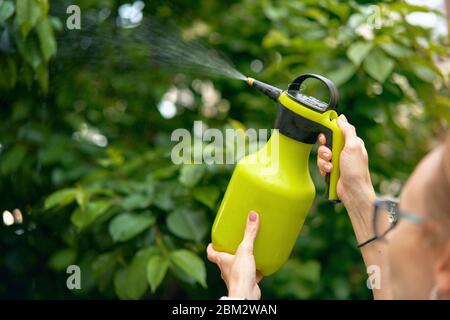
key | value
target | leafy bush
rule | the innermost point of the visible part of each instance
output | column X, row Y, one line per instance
column 85, row 153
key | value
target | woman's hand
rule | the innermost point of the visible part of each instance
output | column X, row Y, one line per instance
column 239, row 270
column 354, row 187
column 356, row 192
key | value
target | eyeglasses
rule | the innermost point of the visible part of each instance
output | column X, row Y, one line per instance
column 386, row 214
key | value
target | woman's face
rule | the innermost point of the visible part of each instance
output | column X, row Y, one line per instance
column 411, row 257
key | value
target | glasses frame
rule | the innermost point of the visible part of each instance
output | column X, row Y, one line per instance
column 399, row 214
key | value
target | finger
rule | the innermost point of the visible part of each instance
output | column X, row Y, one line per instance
column 212, row 254
column 364, row 150
column 323, row 165
column 259, row 276
column 352, row 143
column 324, row 153
column 322, row 139
column 361, row 141
column 251, row 230
column 216, row 256
column 348, row 130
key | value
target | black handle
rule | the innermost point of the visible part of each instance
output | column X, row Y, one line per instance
column 294, row 87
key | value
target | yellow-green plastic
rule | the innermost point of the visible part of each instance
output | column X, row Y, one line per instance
column 282, row 197
column 327, row 119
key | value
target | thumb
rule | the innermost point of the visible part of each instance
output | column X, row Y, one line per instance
column 251, row 230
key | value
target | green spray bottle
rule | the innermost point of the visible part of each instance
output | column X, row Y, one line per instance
column 275, row 180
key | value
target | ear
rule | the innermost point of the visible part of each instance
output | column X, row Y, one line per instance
column 443, row 274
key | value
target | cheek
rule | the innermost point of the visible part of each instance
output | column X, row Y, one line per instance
column 398, row 245
column 405, row 241
column 403, row 246
column 407, row 259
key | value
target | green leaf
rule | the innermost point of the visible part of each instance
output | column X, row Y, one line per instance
column 103, row 268
column 396, row 50
column 297, row 279
column 137, row 201
column 46, row 38
column 103, row 263
column 181, row 274
column 44, row 6
column 424, row 73
column 27, row 76
column 93, row 210
column 56, row 24
column 191, row 264
column 82, row 197
column 342, row 74
column 120, row 283
column 86, row 278
column 60, row 198
column 156, row 270
column 60, row 260
column 127, row 225
column 137, row 273
column 310, row 271
column 29, row 50
column 42, row 75
column 12, row 72
column 358, row 51
column 356, row 20
column 275, row 38
column 188, row 224
column 8, row 70
column 13, row 159
column 276, row 13
column 207, row 195
column 378, row 65
column 6, row 10
column 191, row 174
column 341, row 288
column 130, row 282
column 405, row 7
column 28, row 13
column 165, row 172
column 163, row 195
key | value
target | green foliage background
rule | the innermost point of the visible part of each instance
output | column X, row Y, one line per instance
column 138, row 225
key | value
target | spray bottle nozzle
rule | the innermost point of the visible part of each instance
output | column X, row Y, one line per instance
column 267, row 89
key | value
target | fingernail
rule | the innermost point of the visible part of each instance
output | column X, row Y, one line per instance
column 252, row 216
column 343, row 117
column 328, row 167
